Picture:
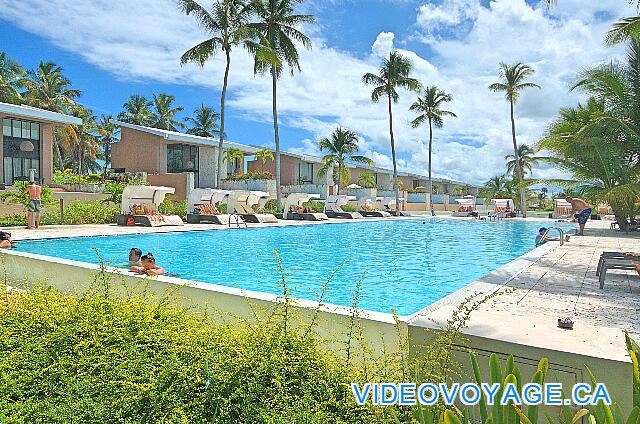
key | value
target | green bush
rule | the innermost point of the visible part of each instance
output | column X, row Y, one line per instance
column 68, row 176
column 95, row 212
column 271, row 206
column 315, row 205
column 171, row 207
column 250, row 176
column 98, row 358
column 19, row 196
column 349, row 208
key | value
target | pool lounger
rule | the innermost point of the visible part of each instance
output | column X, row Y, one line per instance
column 259, row 218
column 464, row 214
column 222, row 219
column 157, row 220
column 374, row 214
column 333, row 207
column 295, row 200
column 612, row 263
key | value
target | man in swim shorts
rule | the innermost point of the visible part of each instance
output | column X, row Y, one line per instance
column 35, row 205
column 581, row 210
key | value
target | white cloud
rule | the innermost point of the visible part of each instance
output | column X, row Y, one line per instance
column 143, row 40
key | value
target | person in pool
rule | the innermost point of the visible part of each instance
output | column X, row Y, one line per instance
column 149, row 266
column 134, row 260
column 5, row 240
column 542, row 237
column 581, row 210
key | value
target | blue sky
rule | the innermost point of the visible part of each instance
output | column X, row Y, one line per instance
column 112, row 49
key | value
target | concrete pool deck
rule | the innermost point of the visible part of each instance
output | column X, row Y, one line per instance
column 535, row 290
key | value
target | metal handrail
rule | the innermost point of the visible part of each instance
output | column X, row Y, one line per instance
column 560, row 232
column 238, row 221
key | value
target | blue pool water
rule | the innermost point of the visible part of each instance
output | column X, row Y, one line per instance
column 409, row 264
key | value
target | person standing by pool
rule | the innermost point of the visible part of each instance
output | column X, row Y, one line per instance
column 35, row 205
column 581, row 210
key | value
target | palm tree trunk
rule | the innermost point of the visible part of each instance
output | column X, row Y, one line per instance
column 276, row 136
column 223, row 95
column 59, row 154
column 430, row 179
column 519, row 174
column 393, row 158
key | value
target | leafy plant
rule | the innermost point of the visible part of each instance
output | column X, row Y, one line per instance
column 172, row 207
column 250, row 176
column 271, row 206
column 341, row 147
column 367, row 180
column 316, row 206
column 349, row 208
column 96, row 212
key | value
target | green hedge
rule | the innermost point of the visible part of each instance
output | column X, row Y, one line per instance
column 97, row 358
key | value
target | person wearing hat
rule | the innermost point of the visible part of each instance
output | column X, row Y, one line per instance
column 543, row 237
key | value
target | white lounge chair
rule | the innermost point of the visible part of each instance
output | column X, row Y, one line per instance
column 294, row 200
column 389, row 205
column 467, row 207
column 333, row 207
column 561, row 209
column 366, row 208
column 502, row 208
column 202, row 204
column 244, row 203
column 140, row 204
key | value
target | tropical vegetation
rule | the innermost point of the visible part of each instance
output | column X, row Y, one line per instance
column 341, row 147
column 512, row 82
column 598, row 143
column 274, row 27
column 225, row 23
column 394, row 73
column 429, row 108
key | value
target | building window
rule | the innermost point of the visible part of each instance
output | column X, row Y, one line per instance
column 183, row 158
column 21, row 150
column 416, row 183
column 305, row 172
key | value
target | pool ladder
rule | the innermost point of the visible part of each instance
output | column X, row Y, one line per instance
column 236, row 221
column 560, row 232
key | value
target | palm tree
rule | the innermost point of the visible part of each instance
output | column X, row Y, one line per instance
column 275, row 32
column 429, row 108
column 107, row 134
column 512, row 81
column 367, row 180
column 497, row 187
column 137, row 111
column 82, row 141
column 394, row 73
column 341, row 147
column 232, row 154
column 47, row 88
column 225, row 23
column 204, row 123
column 12, row 79
column 526, row 156
column 264, row 154
column 165, row 113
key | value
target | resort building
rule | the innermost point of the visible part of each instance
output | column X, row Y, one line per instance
column 186, row 161
column 171, row 158
column 26, row 142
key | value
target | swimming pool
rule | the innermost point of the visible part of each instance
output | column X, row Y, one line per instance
column 409, row 264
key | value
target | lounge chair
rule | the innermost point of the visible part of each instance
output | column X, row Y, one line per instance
column 243, row 203
column 366, row 208
column 294, row 210
column 203, row 207
column 561, row 209
column 333, row 207
column 613, row 263
column 467, row 208
column 389, row 205
column 139, row 206
column 502, row 208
